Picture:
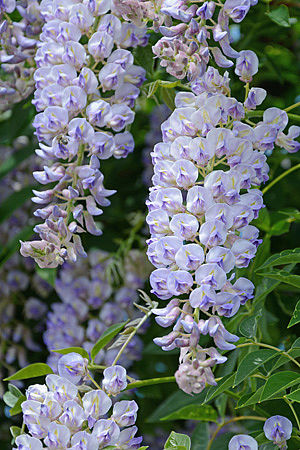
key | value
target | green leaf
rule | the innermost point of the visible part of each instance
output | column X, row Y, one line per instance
column 248, row 326
column 254, row 398
column 280, row 228
column 294, row 396
column 296, row 316
column 79, row 350
column 16, row 409
column 200, row 436
column 48, row 275
column 10, row 399
column 285, row 257
column 106, row 337
column 143, row 56
column 263, row 220
column 178, row 441
column 280, row 16
column 31, row 371
column 267, row 285
column 174, row 402
column 194, row 412
column 14, row 390
column 15, row 431
column 294, row 352
column 14, row 244
column 13, row 161
column 223, row 385
column 278, row 382
column 152, row 87
column 14, row 201
column 292, row 213
column 268, row 446
column 251, row 362
column 168, row 97
column 281, row 276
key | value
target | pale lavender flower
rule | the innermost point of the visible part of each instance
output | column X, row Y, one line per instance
column 278, row 429
column 114, row 380
column 246, row 65
column 73, row 367
column 242, row 441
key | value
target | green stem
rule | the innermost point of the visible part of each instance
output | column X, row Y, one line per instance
column 246, row 90
column 257, row 113
column 260, row 344
column 289, row 108
column 150, row 382
column 284, row 174
column 293, row 411
column 96, row 367
column 235, row 419
column 93, row 381
column 132, row 334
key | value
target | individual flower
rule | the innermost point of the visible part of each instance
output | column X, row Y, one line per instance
column 73, row 367
column 114, row 380
column 278, row 429
column 241, row 442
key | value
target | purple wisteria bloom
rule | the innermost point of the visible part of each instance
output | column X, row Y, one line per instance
column 200, row 213
column 191, row 35
column 77, row 125
column 58, row 415
column 242, row 442
column 278, row 429
column 90, row 302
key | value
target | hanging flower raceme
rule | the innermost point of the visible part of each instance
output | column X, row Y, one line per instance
column 18, row 46
column 58, row 415
column 207, row 173
column 192, row 34
column 92, row 301
column 86, row 86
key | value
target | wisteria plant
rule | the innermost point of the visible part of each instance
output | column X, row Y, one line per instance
column 168, row 320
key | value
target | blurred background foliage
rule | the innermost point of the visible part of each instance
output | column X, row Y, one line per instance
column 278, row 49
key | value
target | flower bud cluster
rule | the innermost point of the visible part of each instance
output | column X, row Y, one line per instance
column 192, row 34
column 207, row 173
column 58, row 415
column 91, row 302
column 18, row 41
column 86, row 86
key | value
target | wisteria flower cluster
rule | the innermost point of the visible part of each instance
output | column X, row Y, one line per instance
column 192, row 34
column 207, row 173
column 86, row 86
column 58, row 415
column 91, row 302
column 18, row 41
